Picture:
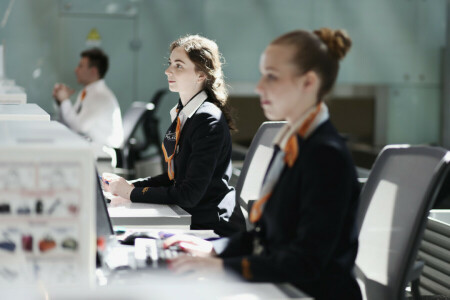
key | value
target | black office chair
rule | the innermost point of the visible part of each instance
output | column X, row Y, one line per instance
column 152, row 124
column 255, row 164
column 394, row 204
column 140, row 116
column 434, row 251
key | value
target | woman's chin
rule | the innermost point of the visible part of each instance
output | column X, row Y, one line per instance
column 271, row 116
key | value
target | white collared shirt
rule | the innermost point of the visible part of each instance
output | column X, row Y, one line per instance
column 189, row 109
column 99, row 118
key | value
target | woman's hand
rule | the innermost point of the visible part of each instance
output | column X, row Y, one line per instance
column 191, row 244
column 106, row 179
column 196, row 266
column 119, row 201
column 120, row 187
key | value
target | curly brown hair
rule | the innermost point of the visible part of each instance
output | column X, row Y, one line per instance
column 205, row 55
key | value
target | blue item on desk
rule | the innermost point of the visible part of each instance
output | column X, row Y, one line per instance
column 101, row 179
column 129, row 240
column 165, row 235
column 118, row 230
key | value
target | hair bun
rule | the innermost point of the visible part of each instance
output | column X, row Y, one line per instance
column 337, row 41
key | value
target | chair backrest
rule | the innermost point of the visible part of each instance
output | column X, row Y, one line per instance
column 141, row 130
column 139, row 112
column 132, row 118
column 163, row 105
column 255, row 164
column 394, row 205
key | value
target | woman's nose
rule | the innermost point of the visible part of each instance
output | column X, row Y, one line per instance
column 259, row 87
column 167, row 71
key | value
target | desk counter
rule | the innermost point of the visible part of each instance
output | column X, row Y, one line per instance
column 149, row 215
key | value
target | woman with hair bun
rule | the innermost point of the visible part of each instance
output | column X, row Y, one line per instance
column 197, row 146
column 304, row 221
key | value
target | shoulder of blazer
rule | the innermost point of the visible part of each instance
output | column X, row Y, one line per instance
column 205, row 120
column 207, row 113
column 325, row 136
column 209, row 108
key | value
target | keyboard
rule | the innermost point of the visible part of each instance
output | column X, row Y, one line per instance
column 151, row 253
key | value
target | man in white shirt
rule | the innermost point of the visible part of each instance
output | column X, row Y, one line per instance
column 96, row 112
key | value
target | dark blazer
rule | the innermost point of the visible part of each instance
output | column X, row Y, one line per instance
column 307, row 228
column 202, row 169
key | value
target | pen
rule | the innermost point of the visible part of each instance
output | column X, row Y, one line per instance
column 164, row 235
column 101, row 179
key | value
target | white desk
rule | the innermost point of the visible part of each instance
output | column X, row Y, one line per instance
column 150, row 215
column 23, row 112
column 158, row 287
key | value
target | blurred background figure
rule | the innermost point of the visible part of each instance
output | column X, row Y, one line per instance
column 96, row 112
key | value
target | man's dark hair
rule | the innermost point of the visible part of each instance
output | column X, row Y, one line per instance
column 97, row 58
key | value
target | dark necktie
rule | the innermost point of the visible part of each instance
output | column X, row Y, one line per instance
column 170, row 142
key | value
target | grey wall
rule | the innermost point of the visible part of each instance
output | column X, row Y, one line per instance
column 397, row 46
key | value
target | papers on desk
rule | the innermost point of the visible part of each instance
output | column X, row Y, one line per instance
column 141, row 210
column 12, row 98
column 26, row 112
column 119, row 256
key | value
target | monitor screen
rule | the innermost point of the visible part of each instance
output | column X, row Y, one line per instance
column 104, row 227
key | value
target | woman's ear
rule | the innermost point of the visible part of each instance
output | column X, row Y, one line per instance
column 201, row 77
column 311, row 80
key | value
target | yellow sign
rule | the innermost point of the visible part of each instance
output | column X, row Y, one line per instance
column 93, row 38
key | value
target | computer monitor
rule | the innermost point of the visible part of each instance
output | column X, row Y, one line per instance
column 104, row 226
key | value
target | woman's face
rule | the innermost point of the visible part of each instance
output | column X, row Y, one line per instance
column 284, row 94
column 181, row 74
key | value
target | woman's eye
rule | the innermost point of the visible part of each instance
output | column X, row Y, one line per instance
column 179, row 66
column 271, row 77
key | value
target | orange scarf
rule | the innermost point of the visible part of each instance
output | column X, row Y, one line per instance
column 288, row 156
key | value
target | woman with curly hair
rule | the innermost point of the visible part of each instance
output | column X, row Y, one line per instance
column 197, row 145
